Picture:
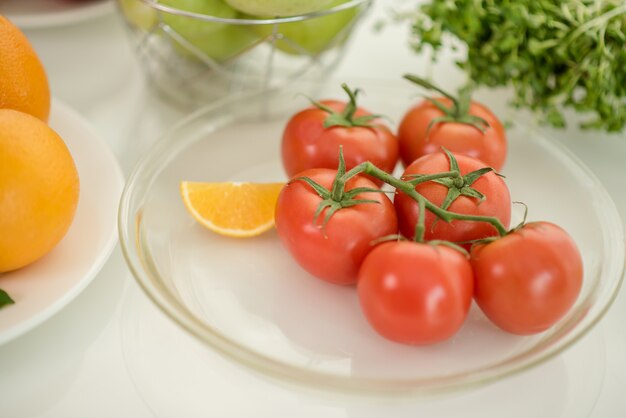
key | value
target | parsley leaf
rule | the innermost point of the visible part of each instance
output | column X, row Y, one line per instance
column 555, row 54
column 5, row 299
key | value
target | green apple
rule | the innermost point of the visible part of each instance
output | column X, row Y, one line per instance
column 278, row 7
column 138, row 14
column 310, row 36
column 218, row 41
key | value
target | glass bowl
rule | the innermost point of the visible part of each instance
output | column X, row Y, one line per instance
column 247, row 299
column 193, row 58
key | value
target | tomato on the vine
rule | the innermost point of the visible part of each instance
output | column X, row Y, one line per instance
column 415, row 293
column 313, row 136
column 476, row 192
column 528, row 280
column 332, row 251
column 458, row 124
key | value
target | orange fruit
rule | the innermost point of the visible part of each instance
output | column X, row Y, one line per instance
column 23, row 81
column 38, row 189
column 232, row 209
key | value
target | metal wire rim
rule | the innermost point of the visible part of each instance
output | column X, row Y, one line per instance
column 208, row 18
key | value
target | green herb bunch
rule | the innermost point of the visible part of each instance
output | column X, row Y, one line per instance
column 555, row 53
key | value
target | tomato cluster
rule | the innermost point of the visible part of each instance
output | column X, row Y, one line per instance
column 452, row 211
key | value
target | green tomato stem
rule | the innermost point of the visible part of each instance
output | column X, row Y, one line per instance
column 339, row 184
column 420, row 226
column 601, row 19
column 351, row 106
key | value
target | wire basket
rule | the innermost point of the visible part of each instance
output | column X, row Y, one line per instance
column 193, row 58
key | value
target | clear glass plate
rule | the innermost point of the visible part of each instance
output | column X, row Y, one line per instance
column 249, row 300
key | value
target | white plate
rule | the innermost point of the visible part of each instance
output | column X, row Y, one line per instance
column 29, row 14
column 41, row 289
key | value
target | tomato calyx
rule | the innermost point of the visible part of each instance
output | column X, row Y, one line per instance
column 346, row 118
column 458, row 112
column 337, row 198
column 457, row 184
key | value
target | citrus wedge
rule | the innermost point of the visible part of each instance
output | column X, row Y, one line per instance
column 232, row 209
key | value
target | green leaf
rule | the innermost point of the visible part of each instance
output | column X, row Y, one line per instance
column 554, row 55
column 5, row 299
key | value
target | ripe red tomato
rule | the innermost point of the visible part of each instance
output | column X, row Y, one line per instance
column 333, row 253
column 529, row 279
column 417, row 140
column 415, row 293
column 497, row 201
column 307, row 144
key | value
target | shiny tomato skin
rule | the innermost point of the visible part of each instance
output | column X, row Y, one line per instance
column 307, row 144
column 335, row 254
column 497, row 201
column 415, row 293
column 489, row 147
column 528, row 280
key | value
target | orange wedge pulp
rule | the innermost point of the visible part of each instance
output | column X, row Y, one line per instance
column 232, row 209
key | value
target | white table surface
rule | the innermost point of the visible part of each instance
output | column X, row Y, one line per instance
column 94, row 358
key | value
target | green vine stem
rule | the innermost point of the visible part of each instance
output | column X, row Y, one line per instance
column 408, row 188
column 337, row 197
column 420, row 226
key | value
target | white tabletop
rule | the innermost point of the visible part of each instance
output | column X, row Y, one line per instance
column 95, row 359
